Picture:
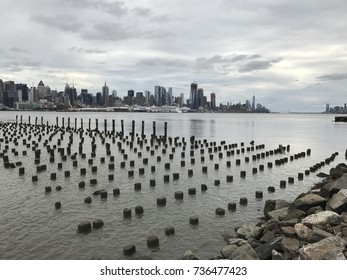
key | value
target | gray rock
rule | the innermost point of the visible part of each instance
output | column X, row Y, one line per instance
column 189, row 255
column 244, row 252
column 247, row 231
column 338, row 202
column 330, row 248
column 268, row 236
column 237, row 241
column 288, row 231
column 322, row 175
column 308, row 201
column 302, row 231
column 227, row 250
column 322, row 218
column 284, row 214
column 314, row 210
column 317, row 235
column 254, row 242
column 276, row 255
column 264, row 251
column 338, row 171
column 271, row 205
column 290, row 244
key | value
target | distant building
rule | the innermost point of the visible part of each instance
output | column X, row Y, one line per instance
column 105, row 94
column 193, row 95
column 1, row 91
column 213, row 101
column 160, row 95
column 22, row 92
column 10, row 94
column 327, row 108
column 41, row 90
column 253, row 103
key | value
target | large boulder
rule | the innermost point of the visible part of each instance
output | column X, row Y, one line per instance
column 338, row 202
column 264, row 251
column 330, row 248
column 317, row 235
column 334, row 186
column 227, row 250
column 247, row 231
column 285, row 214
column 290, row 244
column 308, row 201
column 302, row 231
column 338, row 171
column 271, row 205
column 244, row 252
column 322, row 218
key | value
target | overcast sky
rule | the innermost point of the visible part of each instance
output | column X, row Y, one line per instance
column 292, row 54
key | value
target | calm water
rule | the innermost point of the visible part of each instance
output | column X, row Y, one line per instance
column 31, row 228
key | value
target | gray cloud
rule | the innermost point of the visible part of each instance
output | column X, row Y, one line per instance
column 258, row 65
column 60, row 22
column 333, row 76
column 90, row 51
column 18, row 50
column 108, row 32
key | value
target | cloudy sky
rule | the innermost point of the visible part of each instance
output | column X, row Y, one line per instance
column 291, row 54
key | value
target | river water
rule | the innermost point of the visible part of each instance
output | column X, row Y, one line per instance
column 31, row 227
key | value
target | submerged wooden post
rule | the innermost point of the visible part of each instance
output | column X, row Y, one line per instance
column 122, row 127
column 75, row 123
column 96, row 124
column 29, row 120
column 105, row 125
column 133, row 130
column 16, row 119
column 89, row 123
column 113, row 126
column 21, row 119
column 62, row 122
column 143, row 129
column 57, row 121
column 154, row 128
column 41, row 120
column 68, row 122
column 81, row 123
column 165, row 130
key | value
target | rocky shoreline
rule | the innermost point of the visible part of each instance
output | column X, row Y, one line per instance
column 312, row 227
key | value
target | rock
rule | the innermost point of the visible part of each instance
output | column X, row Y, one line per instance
column 314, row 210
column 264, row 251
column 268, row 236
column 189, row 255
column 290, row 244
column 247, row 231
column 276, row 255
column 322, row 218
column 271, row 205
column 302, row 231
column 337, row 185
column 244, row 252
column 330, row 248
column 284, row 214
column 317, row 235
column 237, row 241
column 227, row 250
column 322, row 175
column 343, row 216
column 338, row 171
column 338, row 202
column 308, row 201
column 254, row 242
column 288, row 231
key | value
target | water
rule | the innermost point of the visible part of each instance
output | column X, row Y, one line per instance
column 31, row 227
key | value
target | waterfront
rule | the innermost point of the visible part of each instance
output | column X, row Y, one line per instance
column 33, row 229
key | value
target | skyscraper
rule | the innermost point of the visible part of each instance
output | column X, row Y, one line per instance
column 159, row 95
column 1, row 91
column 10, row 94
column 213, row 101
column 193, row 94
column 105, row 94
column 253, row 103
column 41, row 90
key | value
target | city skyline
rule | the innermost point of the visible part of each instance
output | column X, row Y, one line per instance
column 290, row 54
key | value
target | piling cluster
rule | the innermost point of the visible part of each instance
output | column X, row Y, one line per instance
column 65, row 152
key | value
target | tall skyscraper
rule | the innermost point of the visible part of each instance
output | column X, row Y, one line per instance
column 22, row 92
column 10, row 94
column 253, row 103
column 193, row 95
column 168, row 99
column 105, row 94
column 160, row 95
column 213, row 101
column 41, row 90
column 1, row 91
column 200, row 99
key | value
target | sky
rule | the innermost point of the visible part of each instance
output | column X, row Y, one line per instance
column 290, row 54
